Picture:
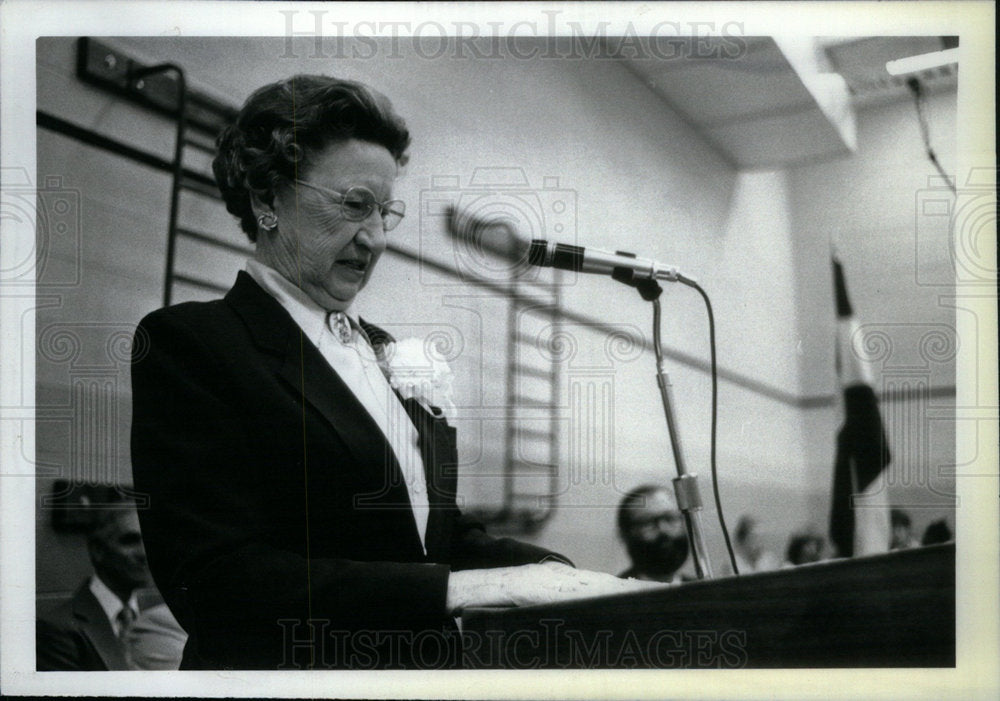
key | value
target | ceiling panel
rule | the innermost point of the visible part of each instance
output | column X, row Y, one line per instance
column 759, row 105
column 779, row 141
column 752, row 104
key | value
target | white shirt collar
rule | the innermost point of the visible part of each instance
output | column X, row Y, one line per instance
column 110, row 602
column 309, row 316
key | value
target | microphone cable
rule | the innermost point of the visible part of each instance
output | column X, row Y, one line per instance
column 650, row 290
column 715, row 412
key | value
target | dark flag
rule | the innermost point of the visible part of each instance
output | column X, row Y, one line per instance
column 859, row 516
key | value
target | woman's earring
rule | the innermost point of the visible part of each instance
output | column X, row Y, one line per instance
column 267, row 221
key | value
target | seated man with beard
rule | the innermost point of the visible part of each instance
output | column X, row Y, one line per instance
column 652, row 528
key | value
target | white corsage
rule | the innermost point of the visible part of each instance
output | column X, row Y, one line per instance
column 417, row 369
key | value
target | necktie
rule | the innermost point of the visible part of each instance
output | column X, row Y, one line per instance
column 340, row 325
column 125, row 618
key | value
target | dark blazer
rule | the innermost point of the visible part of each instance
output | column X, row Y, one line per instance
column 77, row 636
column 275, row 500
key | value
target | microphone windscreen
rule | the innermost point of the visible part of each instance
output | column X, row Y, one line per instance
column 495, row 236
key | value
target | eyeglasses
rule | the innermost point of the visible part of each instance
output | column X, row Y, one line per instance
column 358, row 203
column 653, row 524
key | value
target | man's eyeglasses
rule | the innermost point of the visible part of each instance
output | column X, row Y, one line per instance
column 358, row 203
column 656, row 523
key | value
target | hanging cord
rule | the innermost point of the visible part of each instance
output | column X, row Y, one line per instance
column 918, row 99
column 715, row 404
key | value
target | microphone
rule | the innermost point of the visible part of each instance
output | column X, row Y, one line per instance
column 593, row 260
column 501, row 239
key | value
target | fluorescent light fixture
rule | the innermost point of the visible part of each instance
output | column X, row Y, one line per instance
column 912, row 64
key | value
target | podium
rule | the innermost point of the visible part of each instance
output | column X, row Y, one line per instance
column 891, row 610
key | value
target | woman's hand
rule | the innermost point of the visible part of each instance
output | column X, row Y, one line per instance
column 532, row 584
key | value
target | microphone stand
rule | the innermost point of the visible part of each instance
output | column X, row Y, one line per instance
column 685, row 484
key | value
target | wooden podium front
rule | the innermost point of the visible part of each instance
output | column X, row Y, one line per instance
column 892, row 610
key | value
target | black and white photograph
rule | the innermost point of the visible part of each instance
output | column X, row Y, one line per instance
column 499, row 350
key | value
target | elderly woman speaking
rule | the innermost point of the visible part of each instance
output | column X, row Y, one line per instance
column 301, row 514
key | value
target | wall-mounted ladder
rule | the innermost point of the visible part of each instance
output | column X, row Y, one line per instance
column 198, row 119
column 531, row 455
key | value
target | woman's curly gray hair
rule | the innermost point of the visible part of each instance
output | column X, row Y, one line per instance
column 285, row 122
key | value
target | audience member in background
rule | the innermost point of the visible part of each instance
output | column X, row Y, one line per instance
column 653, row 531
column 749, row 548
column 902, row 530
column 88, row 631
column 805, row 547
column 105, row 625
column 937, row 532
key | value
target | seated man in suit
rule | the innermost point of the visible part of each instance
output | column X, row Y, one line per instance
column 652, row 528
column 88, row 631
